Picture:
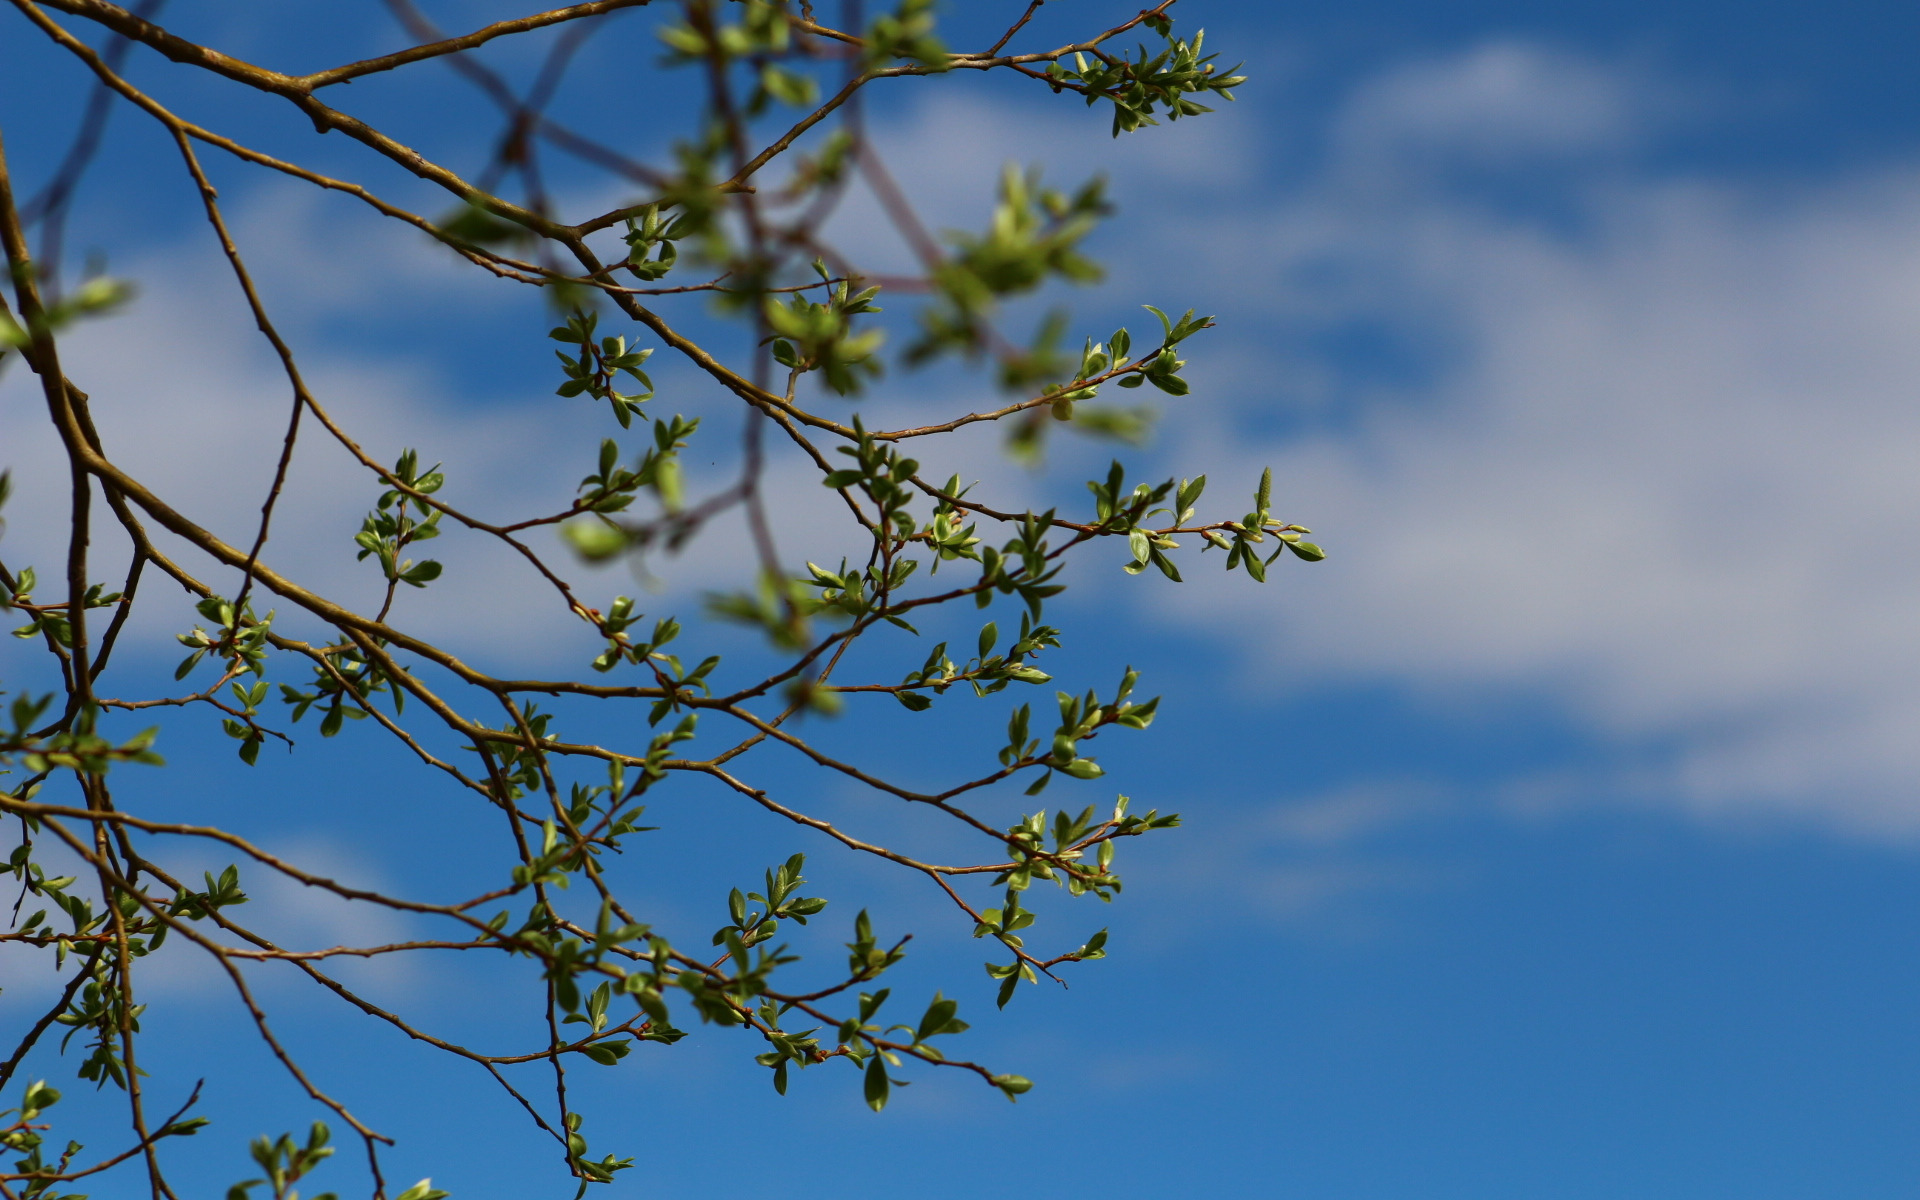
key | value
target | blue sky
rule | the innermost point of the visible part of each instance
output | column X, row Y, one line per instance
column 1556, row 838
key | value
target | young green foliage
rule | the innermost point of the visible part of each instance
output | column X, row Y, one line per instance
column 718, row 258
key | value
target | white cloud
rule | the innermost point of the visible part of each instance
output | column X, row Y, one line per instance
column 1499, row 101
column 190, row 400
column 1347, row 815
column 1661, row 472
column 1655, row 464
column 290, row 914
column 1319, row 866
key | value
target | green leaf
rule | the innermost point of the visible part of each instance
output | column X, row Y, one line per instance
column 940, row 1019
column 1166, row 324
column 1083, row 768
column 1007, row 987
column 789, row 87
column 607, row 1053
column 594, row 541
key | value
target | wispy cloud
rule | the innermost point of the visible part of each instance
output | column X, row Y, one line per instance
column 1657, row 469
column 1650, row 459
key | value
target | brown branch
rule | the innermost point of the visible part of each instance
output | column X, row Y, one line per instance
column 291, row 88
column 468, row 41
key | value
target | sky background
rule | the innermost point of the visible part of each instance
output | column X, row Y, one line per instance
column 1556, row 838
